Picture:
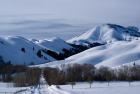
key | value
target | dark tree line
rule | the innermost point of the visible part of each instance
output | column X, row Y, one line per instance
column 29, row 77
column 88, row 73
column 18, row 74
column 73, row 73
column 7, row 70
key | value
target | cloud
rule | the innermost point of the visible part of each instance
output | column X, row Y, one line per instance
column 99, row 11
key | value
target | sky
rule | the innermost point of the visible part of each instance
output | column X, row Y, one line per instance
column 90, row 11
column 63, row 18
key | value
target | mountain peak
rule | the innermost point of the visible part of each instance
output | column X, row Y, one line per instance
column 107, row 33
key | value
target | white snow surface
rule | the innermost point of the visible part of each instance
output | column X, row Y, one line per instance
column 44, row 88
column 10, row 50
column 8, row 88
column 110, row 55
column 79, row 88
column 103, row 88
column 106, row 33
column 55, row 44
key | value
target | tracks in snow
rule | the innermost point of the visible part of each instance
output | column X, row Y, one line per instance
column 44, row 89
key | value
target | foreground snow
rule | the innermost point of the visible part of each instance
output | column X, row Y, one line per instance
column 83, row 88
column 7, row 88
column 79, row 88
column 103, row 88
column 43, row 88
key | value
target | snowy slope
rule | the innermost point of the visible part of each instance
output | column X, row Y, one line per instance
column 111, row 55
column 106, row 33
column 55, row 44
column 19, row 50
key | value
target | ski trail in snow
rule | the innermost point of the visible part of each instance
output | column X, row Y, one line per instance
column 43, row 88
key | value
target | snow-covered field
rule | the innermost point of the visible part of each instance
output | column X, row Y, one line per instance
column 7, row 88
column 103, row 88
column 84, row 88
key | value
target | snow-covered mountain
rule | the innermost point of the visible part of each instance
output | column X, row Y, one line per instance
column 55, row 44
column 19, row 50
column 121, row 47
column 117, row 45
column 107, row 33
column 111, row 55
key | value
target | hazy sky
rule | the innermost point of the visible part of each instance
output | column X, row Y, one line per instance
column 94, row 11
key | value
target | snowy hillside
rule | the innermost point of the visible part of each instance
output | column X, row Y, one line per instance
column 107, row 33
column 111, row 55
column 55, row 44
column 121, row 46
column 19, row 50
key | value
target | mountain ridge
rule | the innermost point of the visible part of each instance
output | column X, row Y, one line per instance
column 106, row 33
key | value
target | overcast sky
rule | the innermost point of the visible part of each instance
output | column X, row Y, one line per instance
column 94, row 11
